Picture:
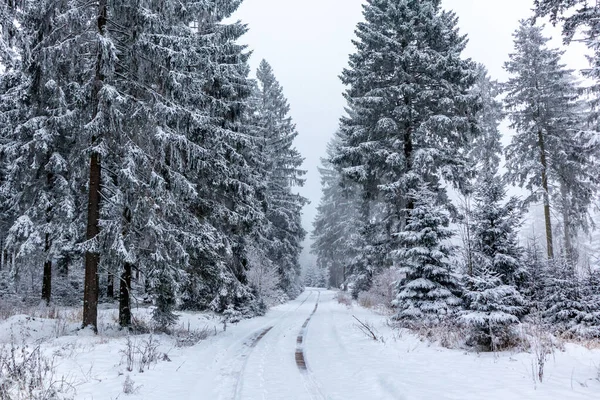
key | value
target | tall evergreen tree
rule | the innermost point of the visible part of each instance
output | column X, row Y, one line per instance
column 42, row 169
column 158, row 108
column 336, row 226
column 283, row 173
column 544, row 155
column 484, row 155
column 411, row 113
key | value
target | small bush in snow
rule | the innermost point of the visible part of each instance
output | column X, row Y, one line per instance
column 344, row 298
column 25, row 373
column 189, row 337
column 541, row 344
column 382, row 291
column 129, row 386
column 448, row 334
column 141, row 354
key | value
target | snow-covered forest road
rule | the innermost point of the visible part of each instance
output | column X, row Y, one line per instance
column 257, row 359
column 310, row 348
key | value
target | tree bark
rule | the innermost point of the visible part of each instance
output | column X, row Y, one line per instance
column 124, row 297
column 47, row 278
column 90, row 292
column 92, row 259
column 110, row 286
column 546, row 196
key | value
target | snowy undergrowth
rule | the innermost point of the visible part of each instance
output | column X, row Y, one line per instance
column 44, row 355
column 435, row 363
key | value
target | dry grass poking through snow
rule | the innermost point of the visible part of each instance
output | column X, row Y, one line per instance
column 344, row 298
column 25, row 373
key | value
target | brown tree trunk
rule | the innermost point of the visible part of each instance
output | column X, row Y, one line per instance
column 110, row 286
column 47, row 278
column 124, row 297
column 90, row 291
column 92, row 259
column 546, row 196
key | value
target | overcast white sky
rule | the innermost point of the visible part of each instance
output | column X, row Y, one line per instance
column 308, row 42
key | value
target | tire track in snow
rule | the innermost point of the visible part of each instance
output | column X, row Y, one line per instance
column 246, row 350
column 248, row 346
column 309, row 381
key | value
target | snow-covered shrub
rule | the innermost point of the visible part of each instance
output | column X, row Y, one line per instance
column 141, row 353
column 26, row 374
column 263, row 278
column 129, row 386
column 447, row 334
column 343, row 298
column 190, row 337
column 382, row 291
column 571, row 304
column 540, row 343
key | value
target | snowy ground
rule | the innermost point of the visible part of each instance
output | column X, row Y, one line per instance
column 300, row 351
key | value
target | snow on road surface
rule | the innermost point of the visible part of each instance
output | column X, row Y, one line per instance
column 312, row 349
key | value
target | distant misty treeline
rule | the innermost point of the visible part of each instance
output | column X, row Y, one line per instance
column 137, row 158
column 422, row 126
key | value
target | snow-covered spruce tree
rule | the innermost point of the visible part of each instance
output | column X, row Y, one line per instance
column 577, row 16
column 429, row 292
column 492, row 309
column 181, row 188
column 160, row 103
column 230, row 185
column 284, row 207
column 484, row 156
column 589, row 325
column 411, row 112
column 11, row 44
column 548, row 153
column 568, row 308
column 42, row 165
column 495, row 222
column 336, row 226
column 536, row 268
column 493, row 304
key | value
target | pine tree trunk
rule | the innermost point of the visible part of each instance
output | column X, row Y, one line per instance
column 47, row 282
column 92, row 259
column 546, row 196
column 124, row 297
column 47, row 278
column 110, row 286
column 90, row 293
